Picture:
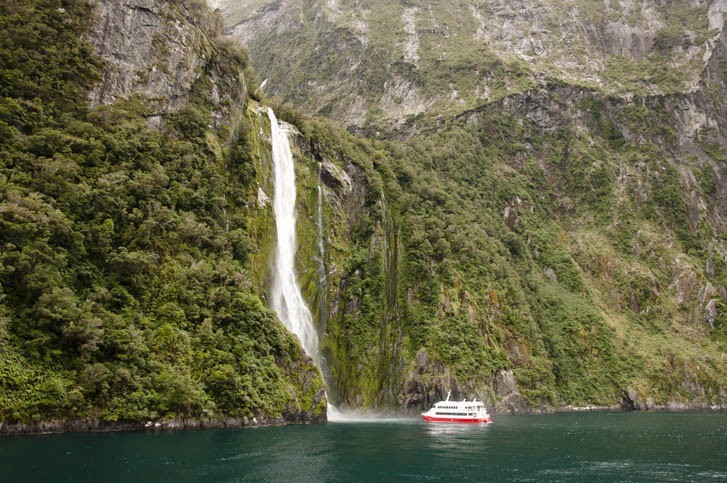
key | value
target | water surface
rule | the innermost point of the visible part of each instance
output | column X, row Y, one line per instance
column 569, row 447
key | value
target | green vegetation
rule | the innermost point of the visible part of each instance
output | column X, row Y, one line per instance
column 564, row 255
column 534, row 234
column 125, row 250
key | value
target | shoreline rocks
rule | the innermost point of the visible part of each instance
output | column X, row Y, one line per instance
column 92, row 425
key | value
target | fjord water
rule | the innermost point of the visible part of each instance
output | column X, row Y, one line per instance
column 568, row 447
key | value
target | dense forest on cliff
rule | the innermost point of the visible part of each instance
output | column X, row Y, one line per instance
column 124, row 294
column 535, row 226
column 566, row 258
column 549, row 247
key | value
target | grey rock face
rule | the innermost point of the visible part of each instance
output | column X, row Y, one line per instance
column 428, row 381
column 426, row 384
column 151, row 48
column 602, row 45
column 710, row 313
column 632, row 401
column 335, row 177
column 509, row 398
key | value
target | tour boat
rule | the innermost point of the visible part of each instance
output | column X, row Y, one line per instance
column 457, row 412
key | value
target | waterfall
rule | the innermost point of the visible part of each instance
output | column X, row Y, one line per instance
column 321, row 260
column 285, row 297
column 319, row 233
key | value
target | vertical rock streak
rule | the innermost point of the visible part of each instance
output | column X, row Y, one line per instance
column 286, row 298
column 322, row 274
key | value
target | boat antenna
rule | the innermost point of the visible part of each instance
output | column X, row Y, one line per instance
column 448, row 394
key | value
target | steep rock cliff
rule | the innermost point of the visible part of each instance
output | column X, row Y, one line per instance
column 163, row 51
column 549, row 243
column 126, row 299
column 574, row 266
column 365, row 62
column 556, row 247
column 396, row 289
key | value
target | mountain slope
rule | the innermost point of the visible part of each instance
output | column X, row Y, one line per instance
column 551, row 229
column 552, row 245
column 361, row 62
column 575, row 266
column 125, row 253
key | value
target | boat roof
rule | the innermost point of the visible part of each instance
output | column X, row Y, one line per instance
column 474, row 402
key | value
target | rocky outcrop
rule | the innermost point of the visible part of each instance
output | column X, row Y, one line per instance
column 160, row 51
column 334, row 177
column 97, row 425
column 393, row 62
column 151, row 48
column 509, row 400
column 632, row 400
column 428, row 382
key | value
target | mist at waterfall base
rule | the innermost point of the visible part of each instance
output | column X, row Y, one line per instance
column 567, row 447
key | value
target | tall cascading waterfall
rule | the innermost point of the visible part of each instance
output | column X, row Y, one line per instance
column 286, row 298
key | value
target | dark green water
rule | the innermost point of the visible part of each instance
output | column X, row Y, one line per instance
column 585, row 447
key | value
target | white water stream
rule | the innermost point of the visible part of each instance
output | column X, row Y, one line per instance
column 285, row 297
